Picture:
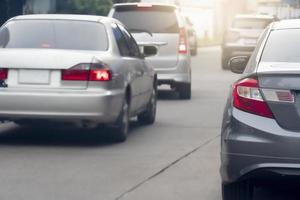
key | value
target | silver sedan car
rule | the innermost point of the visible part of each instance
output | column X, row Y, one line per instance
column 83, row 70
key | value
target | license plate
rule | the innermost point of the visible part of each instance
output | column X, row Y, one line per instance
column 27, row 76
column 250, row 42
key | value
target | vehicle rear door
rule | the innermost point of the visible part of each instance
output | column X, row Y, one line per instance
column 38, row 53
column 162, row 22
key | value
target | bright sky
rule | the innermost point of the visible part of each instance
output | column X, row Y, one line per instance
column 201, row 13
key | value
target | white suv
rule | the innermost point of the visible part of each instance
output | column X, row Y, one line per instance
column 164, row 25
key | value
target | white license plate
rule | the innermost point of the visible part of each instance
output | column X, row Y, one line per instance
column 28, row 76
column 250, row 42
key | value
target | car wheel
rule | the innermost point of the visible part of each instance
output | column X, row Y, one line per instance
column 121, row 129
column 148, row 117
column 185, row 91
column 225, row 61
column 238, row 191
column 194, row 52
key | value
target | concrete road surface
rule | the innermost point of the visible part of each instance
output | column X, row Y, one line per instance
column 176, row 159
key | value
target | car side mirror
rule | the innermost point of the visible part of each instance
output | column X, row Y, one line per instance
column 150, row 51
column 238, row 64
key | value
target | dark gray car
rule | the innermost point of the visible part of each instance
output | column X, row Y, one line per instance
column 261, row 129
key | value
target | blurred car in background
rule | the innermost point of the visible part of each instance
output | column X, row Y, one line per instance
column 261, row 129
column 242, row 36
column 75, row 69
column 164, row 25
column 193, row 38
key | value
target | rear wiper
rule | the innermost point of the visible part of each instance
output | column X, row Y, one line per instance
column 141, row 31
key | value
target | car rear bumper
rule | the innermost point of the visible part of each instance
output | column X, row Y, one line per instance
column 236, row 50
column 181, row 73
column 173, row 79
column 100, row 107
column 254, row 146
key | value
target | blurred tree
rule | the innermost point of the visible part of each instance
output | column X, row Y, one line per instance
column 92, row 7
column 10, row 8
column 3, row 11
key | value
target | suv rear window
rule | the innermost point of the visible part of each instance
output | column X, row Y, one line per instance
column 154, row 19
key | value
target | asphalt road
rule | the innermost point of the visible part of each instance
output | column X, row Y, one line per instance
column 175, row 159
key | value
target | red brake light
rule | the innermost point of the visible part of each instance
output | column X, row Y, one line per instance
column 100, row 75
column 3, row 74
column 247, row 97
column 87, row 72
column 183, row 44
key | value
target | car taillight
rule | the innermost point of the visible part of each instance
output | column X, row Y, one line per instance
column 183, row 44
column 3, row 74
column 247, row 97
column 100, row 75
column 232, row 36
column 87, row 72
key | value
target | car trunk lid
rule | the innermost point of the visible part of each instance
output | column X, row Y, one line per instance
column 282, row 78
column 42, row 68
column 167, row 56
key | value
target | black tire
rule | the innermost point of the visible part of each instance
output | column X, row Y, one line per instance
column 194, row 52
column 225, row 65
column 121, row 128
column 238, row 191
column 148, row 117
column 185, row 91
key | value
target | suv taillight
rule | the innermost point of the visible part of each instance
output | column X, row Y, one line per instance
column 247, row 97
column 87, row 72
column 3, row 74
column 183, row 43
column 232, row 36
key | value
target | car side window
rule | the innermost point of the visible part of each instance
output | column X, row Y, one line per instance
column 252, row 61
column 134, row 48
column 121, row 41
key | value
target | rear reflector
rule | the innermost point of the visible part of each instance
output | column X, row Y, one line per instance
column 247, row 97
column 3, row 74
column 87, row 72
column 283, row 96
column 183, row 44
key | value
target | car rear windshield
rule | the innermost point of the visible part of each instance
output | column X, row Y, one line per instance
column 153, row 19
column 54, row 34
column 251, row 23
column 283, row 46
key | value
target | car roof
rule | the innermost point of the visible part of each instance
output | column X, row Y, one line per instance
column 89, row 18
column 254, row 17
column 286, row 24
column 139, row 3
